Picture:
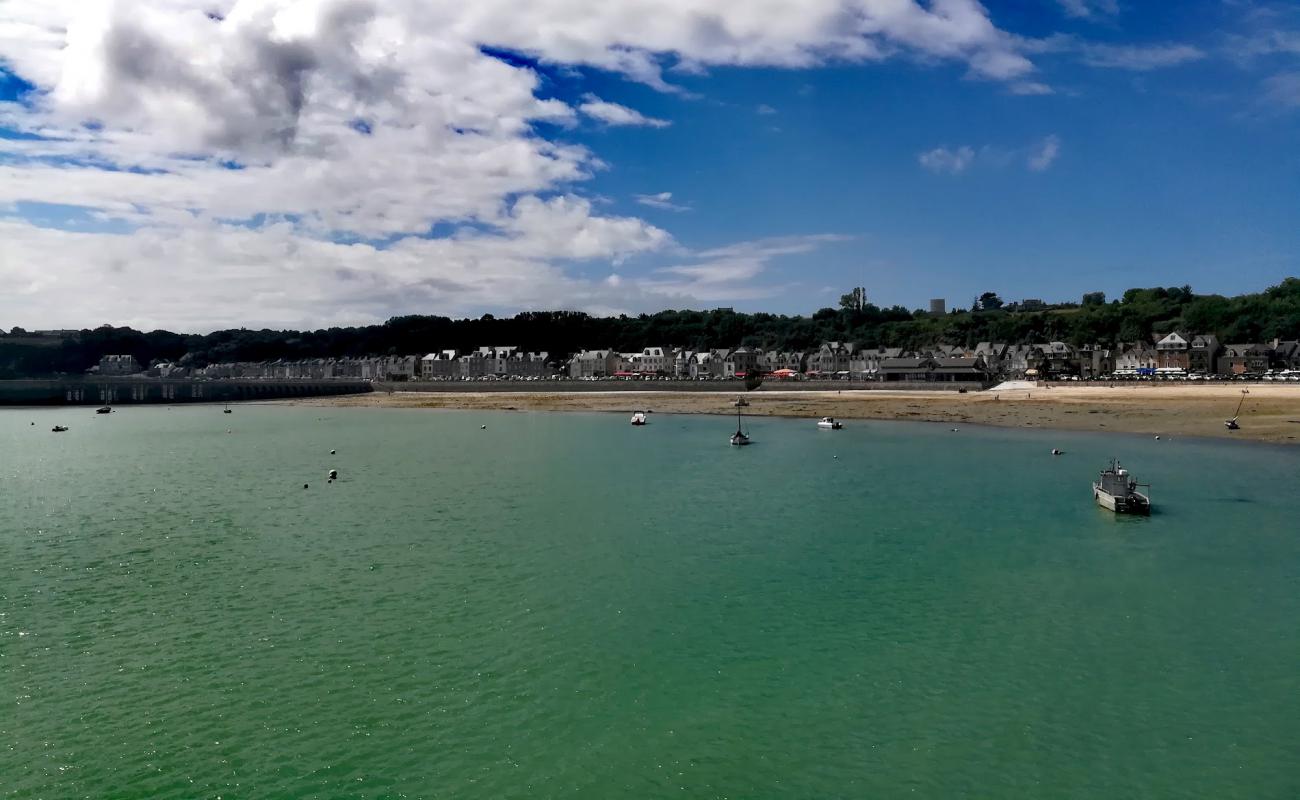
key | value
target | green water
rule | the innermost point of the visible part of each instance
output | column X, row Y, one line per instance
column 567, row 606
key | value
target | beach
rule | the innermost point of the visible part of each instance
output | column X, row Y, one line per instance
column 1270, row 413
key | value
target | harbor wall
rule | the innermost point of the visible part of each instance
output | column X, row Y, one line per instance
column 126, row 391
column 728, row 386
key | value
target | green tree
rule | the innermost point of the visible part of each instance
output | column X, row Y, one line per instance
column 989, row 301
column 855, row 300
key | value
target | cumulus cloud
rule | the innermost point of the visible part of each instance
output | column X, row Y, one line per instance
column 661, row 200
column 1044, row 154
column 615, row 114
column 949, row 160
column 288, row 160
column 764, row 108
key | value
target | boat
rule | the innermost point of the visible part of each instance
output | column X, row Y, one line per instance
column 1231, row 424
column 829, row 424
column 1117, row 491
column 741, row 403
column 227, row 409
column 104, row 410
column 638, row 418
column 739, row 438
column 58, row 429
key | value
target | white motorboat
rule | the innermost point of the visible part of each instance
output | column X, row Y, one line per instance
column 638, row 418
column 829, row 424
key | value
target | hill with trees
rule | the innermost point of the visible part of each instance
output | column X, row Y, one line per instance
column 1138, row 315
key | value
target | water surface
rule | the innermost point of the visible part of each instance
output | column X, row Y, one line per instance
column 566, row 606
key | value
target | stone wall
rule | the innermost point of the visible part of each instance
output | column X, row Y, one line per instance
column 125, row 391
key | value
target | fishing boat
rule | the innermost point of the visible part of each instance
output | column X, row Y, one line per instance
column 638, row 418
column 1117, row 491
column 739, row 438
column 829, row 424
column 58, row 429
column 104, row 410
column 1231, row 424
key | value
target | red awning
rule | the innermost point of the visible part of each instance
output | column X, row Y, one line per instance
column 622, row 374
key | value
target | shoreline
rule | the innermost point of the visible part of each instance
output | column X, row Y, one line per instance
column 1269, row 413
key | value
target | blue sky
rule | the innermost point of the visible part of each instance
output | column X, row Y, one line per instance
column 1034, row 149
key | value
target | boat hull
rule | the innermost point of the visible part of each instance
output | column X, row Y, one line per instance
column 1136, row 504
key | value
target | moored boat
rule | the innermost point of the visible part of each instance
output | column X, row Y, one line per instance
column 829, row 424
column 104, row 410
column 1116, row 490
column 739, row 438
column 58, row 429
column 638, row 418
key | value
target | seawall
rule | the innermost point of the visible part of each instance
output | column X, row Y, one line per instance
column 736, row 387
column 124, row 391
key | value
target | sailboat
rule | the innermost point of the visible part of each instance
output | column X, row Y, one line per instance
column 739, row 438
column 227, row 409
column 1231, row 424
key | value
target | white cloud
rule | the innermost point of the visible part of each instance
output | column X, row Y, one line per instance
column 764, row 108
column 1139, row 58
column 1282, row 91
column 241, row 140
column 661, row 200
column 731, row 272
column 615, row 114
column 1030, row 88
column 1087, row 9
column 1044, row 155
column 952, row 161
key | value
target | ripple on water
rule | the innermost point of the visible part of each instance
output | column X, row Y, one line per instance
column 574, row 610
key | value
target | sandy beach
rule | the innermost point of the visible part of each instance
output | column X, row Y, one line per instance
column 1270, row 413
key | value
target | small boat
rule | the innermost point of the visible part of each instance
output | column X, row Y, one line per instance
column 829, row 424
column 739, row 438
column 1117, row 491
column 58, row 429
column 227, row 409
column 104, row 410
column 1231, row 424
column 741, row 403
column 638, row 418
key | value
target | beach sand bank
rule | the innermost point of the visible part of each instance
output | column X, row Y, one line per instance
column 1269, row 414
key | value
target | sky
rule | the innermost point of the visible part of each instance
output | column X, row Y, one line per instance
column 203, row 164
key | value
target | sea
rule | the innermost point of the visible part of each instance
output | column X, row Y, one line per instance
column 535, row 605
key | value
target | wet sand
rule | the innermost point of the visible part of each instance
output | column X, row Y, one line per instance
column 1270, row 413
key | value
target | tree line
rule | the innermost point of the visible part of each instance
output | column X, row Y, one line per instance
column 1137, row 316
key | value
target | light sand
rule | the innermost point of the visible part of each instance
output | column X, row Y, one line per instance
column 1270, row 414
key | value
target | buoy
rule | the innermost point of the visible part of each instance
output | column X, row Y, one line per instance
column 331, row 452
column 333, row 474
column 482, row 427
column 304, row 486
column 1157, row 437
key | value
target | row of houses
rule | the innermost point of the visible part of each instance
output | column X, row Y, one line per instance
column 1171, row 353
